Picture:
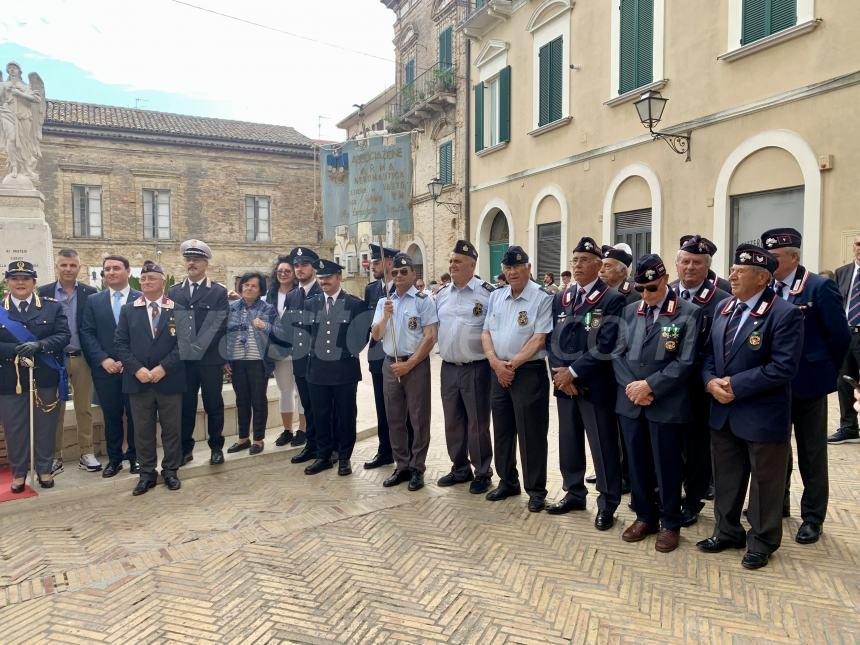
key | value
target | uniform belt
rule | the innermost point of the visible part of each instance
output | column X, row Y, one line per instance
column 393, row 359
column 481, row 360
column 855, row 329
column 77, row 352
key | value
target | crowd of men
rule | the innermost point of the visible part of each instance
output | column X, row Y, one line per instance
column 682, row 390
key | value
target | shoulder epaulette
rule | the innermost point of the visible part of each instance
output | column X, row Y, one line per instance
column 421, row 294
column 48, row 299
column 488, row 287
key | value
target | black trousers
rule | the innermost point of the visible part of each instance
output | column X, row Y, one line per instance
column 850, row 367
column 335, row 417
column 809, row 417
column 761, row 466
column 578, row 418
column 114, row 405
column 697, row 450
column 250, row 380
column 208, row 380
column 148, row 407
column 521, row 414
column 654, row 453
column 310, row 424
column 384, row 449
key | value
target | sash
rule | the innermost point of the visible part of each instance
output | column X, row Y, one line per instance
column 24, row 335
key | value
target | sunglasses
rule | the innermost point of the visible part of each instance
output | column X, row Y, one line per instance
column 396, row 272
column 283, row 272
column 650, row 288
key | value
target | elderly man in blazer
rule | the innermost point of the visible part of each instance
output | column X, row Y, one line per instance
column 656, row 351
column 848, row 281
column 153, row 375
column 98, row 328
column 753, row 355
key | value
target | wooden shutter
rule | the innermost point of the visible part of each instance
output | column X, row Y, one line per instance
column 551, row 81
column 410, row 72
column 479, row 117
column 636, row 55
column 783, row 14
column 644, row 42
column 543, row 85
column 549, row 249
column 446, row 163
column 445, row 49
column 505, row 104
column 754, row 18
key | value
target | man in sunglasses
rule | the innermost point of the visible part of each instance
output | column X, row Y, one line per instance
column 656, row 350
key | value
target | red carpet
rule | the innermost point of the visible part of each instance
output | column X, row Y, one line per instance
column 6, row 481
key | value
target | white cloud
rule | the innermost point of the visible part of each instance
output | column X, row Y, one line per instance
column 252, row 73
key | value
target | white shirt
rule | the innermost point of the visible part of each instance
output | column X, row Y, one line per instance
column 17, row 302
column 692, row 291
column 787, row 281
column 281, row 304
column 333, row 297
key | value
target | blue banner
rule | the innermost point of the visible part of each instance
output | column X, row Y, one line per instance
column 367, row 181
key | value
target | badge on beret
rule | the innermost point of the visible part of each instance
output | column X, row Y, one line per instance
column 588, row 246
column 744, row 257
column 20, row 265
column 298, row 251
column 413, row 323
column 755, row 339
column 523, row 318
column 651, row 274
column 770, row 241
column 519, row 256
column 465, row 248
column 478, row 309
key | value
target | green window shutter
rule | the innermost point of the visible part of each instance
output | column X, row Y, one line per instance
column 645, row 42
column 636, row 55
column 446, row 163
column 556, row 77
column 410, row 72
column 754, row 19
column 543, row 85
column 445, row 49
column 479, row 3
column 479, row 117
column 783, row 14
column 505, row 104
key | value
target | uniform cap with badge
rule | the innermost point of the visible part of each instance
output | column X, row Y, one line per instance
column 752, row 255
column 303, row 255
column 515, row 255
column 20, row 269
column 402, row 260
column 465, row 247
column 377, row 252
column 780, row 238
column 649, row 268
column 697, row 244
column 588, row 245
column 326, row 268
column 195, row 249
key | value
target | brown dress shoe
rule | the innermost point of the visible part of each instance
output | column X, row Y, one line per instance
column 667, row 540
column 638, row 531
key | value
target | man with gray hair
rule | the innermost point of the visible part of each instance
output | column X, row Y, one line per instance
column 616, row 270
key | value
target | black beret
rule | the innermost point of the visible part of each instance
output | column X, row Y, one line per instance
column 465, row 247
column 780, row 238
column 752, row 255
column 588, row 245
column 698, row 245
column 617, row 254
column 515, row 255
column 402, row 260
column 649, row 268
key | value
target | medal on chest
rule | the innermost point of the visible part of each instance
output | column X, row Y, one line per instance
column 412, row 324
column 670, row 335
column 754, row 340
column 523, row 318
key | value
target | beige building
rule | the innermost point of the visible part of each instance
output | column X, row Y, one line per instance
column 767, row 90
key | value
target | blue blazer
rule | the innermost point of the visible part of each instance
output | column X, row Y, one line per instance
column 97, row 330
column 291, row 335
column 763, row 361
column 825, row 334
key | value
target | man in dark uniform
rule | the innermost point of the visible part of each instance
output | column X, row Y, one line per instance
column 153, row 376
column 848, row 281
column 825, row 341
column 750, row 361
column 586, row 329
column 338, row 334
column 721, row 283
column 380, row 266
column 614, row 272
column 201, row 312
column 692, row 264
column 519, row 318
column 657, row 345
column 31, row 329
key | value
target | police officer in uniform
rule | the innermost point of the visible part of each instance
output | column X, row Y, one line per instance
column 201, row 311
column 32, row 330
column 657, row 345
column 153, row 376
column 462, row 306
column 753, row 355
column 406, row 324
column 519, row 318
column 693, row 265
column 338, row 334
column 382, row 285
column 586, row 318
column 615, row 270
column 825, row 341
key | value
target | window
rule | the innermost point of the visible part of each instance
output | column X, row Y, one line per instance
column 548, row 249
column 257, row 219
column 762, row 18
column 636, row 44
column 408, row 90
column 86, row 211
column 446, row 56
column 156, row 214
column 756, row 212
column 493, row 110
column 634, row 229
column 446, row 163
column 551, row 81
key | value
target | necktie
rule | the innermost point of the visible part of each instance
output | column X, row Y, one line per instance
column 156, row 316
column 329, row 304
column 649, row 318
column 685, row 294
column 117, row 305
column 194, row 286
column 854, row 301
column 23, row 306
column 732, row 328
column 780, row 288
column 301, row 297
column 580, row 298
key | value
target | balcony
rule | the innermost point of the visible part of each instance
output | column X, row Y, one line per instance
column 484, row 15
column 422, row 99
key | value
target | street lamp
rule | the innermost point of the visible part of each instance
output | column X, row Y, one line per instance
column 650, row 108
column 435, row 188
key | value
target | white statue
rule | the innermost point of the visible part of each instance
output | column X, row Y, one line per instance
column 22, row 113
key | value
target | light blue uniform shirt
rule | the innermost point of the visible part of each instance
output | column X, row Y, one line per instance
column 461, row 319
column 411, row 314
column 512, row 321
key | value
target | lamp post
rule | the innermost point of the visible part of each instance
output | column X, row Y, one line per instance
column 650, row 108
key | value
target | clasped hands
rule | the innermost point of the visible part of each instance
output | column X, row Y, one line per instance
column 563, row 381
column 504, row 370
column 721, row 389
column 29, row 349
column 154, row 375
column 639, row 393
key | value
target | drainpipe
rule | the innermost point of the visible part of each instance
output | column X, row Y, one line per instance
column 468, row 147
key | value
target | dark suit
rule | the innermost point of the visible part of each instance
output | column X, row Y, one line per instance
column 851, row 363
column 630, row 294
column 583, row 339
column 337, row 338
column 664, row 357
column 750, row 435
column 202, row 323
column 698, row 474
column 825, row 341
column 136, row 348
column 721, row 283
column 98, row 329
column 373, row 292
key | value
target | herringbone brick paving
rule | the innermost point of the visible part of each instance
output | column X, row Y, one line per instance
column 265, row 554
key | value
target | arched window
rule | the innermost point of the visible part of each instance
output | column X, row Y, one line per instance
column 499, row 241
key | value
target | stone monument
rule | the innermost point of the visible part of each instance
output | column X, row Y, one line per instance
column 24, row 233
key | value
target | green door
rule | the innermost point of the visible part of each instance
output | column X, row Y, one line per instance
column 497, row 252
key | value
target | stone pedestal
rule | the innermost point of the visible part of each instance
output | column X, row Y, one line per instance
column 24, row 233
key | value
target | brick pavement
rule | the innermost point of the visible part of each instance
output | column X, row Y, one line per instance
column 264, row 554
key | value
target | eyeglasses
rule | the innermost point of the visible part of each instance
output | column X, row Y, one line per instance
column 283, row 272
column 650, row 288
column 396, row 272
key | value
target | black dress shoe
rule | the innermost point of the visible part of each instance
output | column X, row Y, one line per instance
column 134, row 466
column 305, row 455
column 142, row 486
column 318, row 466
column 536, row 504
column 754, row 560
column 709, row 494
column 284, row 438
column 397, row 477
column 565, row 505
column 18, row 488
column 238, row 447
column 112, row 468
column 591, row 479
column 45, row 483
column 377, row 461
column 217, row 457
column 501, row 492
column 716, row 544
column 689, row 517
column 450, row 479
column 480, row 485
column 172, row 482
column 187, row 457
column 416, row 482
column 808, row 533
column 300, row 439
column 255, row 449
column 344, row 468
column 605, row 520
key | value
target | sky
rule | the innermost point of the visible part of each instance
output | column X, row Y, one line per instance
column 165, row 55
